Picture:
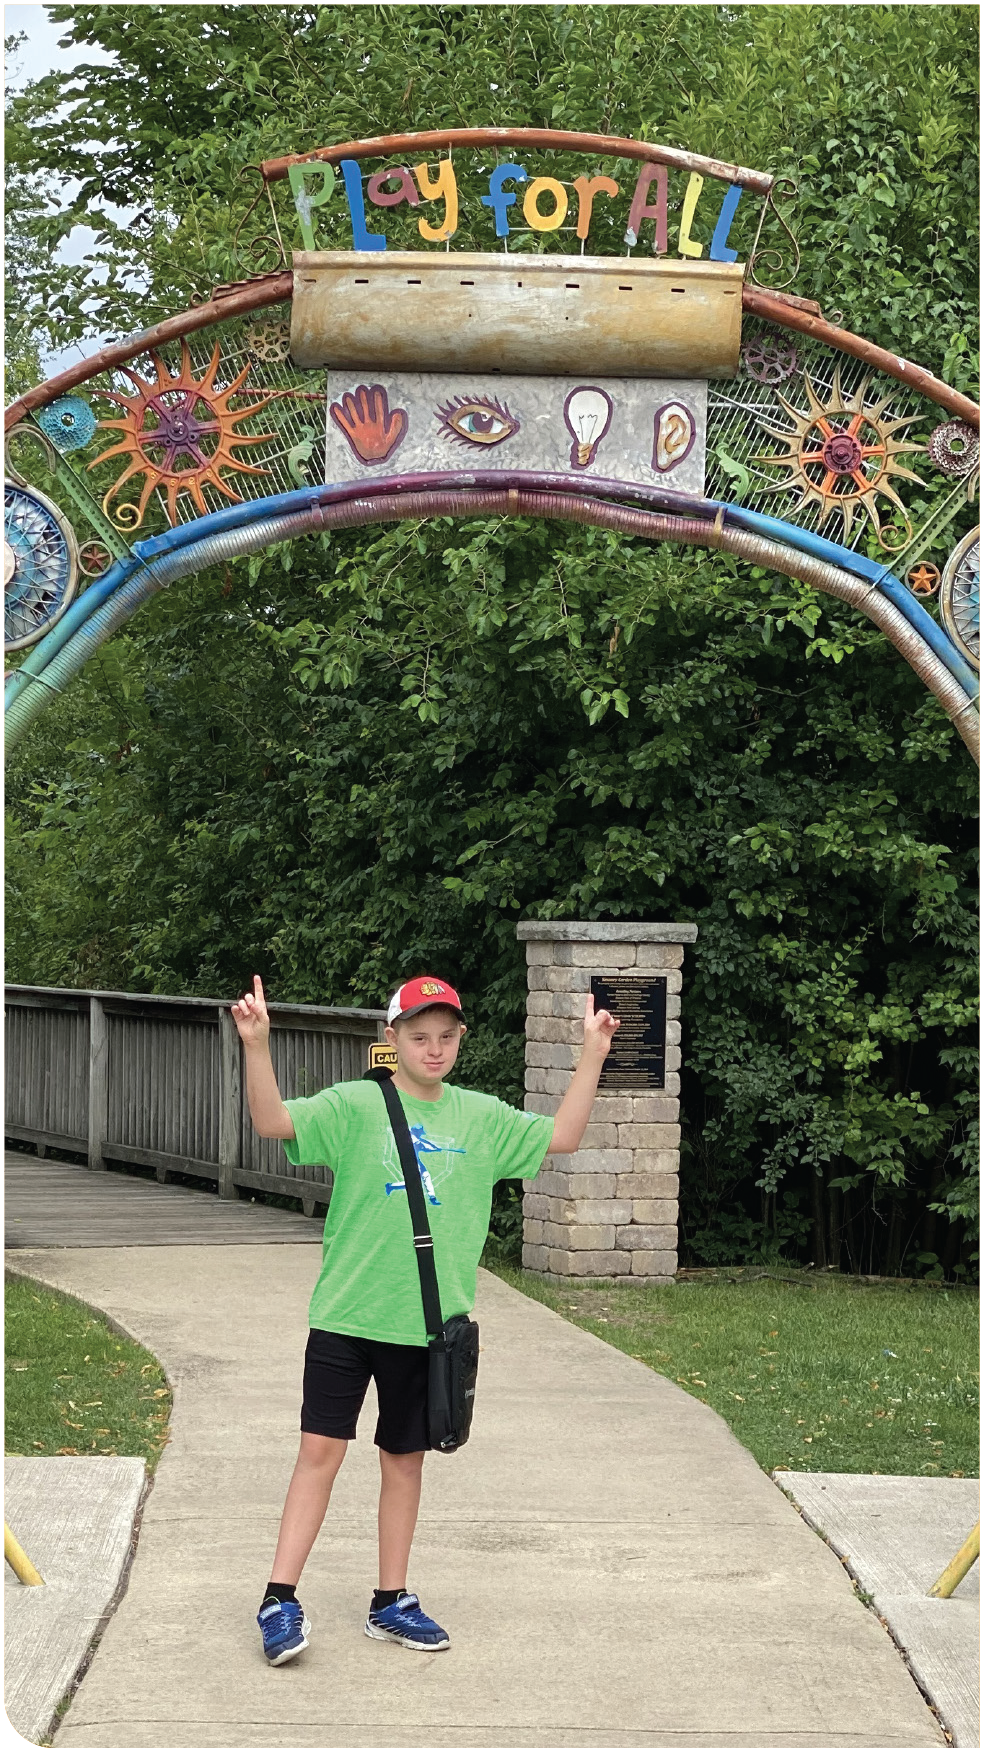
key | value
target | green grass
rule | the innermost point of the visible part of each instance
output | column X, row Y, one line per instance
column 822, row 1374
column 73, row 1386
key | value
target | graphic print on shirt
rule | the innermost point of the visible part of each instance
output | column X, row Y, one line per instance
column 424, row 1146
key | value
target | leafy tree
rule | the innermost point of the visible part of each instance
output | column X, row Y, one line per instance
column 371, row 753
column 872, row 109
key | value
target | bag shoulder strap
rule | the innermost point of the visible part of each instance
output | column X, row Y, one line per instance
column 423, row 1241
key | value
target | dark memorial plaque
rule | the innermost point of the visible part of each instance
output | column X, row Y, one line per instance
column 637, row 1058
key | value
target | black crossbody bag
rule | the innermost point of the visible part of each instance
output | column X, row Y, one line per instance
column 452, row 1346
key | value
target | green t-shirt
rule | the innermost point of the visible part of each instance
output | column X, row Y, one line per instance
column 464, row 1142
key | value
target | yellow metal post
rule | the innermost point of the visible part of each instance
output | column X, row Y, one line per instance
column 958, row 1567
column 18, row 1560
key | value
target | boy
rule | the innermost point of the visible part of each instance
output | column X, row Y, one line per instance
column 366, row 1314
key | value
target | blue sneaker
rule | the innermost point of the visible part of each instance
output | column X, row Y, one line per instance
column 405, row 1622
column 284, row 1629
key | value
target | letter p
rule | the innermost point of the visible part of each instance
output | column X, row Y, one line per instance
column 304, row 201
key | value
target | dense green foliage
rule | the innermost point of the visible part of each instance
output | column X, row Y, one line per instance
column 812, row 1373
column 372, row 753
column 73, row 1385
column 873, row 109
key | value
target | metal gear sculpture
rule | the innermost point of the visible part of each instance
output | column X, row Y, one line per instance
column 180, row 433
column 69, row 423
column 842, row 455
column 40, row 565
column 770, row 358
column 954, row 448
column 268, row 343
column 960, row 597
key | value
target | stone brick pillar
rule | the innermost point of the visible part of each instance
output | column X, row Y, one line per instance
column 610, row 1210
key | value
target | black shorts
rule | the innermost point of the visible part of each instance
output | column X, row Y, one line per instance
column 337, row 1369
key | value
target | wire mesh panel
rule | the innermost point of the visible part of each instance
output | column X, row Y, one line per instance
column 769, row 428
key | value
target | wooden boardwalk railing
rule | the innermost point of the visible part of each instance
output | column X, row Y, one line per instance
column 158, row 1082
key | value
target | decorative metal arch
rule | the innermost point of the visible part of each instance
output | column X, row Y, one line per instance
column 246, row 383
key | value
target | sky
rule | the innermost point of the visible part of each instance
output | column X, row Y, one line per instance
column 38, row 55
column 41, row 52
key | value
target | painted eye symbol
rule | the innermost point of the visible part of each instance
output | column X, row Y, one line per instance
column 477, row 420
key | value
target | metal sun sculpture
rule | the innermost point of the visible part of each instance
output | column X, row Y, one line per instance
column 960, row 597
column 180, row 433
column 40, row 565
column 843, row 455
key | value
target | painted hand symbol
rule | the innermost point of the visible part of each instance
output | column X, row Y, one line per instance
column 372, row 429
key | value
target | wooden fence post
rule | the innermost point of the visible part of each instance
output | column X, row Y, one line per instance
column 98, row 1082
column 230, row 1105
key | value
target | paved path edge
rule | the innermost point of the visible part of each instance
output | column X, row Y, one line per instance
column 882, row 1610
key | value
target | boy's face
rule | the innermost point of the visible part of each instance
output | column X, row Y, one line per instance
column 427, row 1044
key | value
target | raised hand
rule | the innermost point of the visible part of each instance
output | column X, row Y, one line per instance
column 598, row 1028
column 575, row 1110
column 372, row 428
column 251, row 1016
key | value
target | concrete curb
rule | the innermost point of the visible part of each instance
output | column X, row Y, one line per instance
column 76, row 1516
column 896, row 1533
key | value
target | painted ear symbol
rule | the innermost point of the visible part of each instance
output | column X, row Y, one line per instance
column 674, row 432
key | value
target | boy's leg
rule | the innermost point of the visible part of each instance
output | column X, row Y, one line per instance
column 336, row 1376
column 395, row 1615
column 399, row 1501
column 314, row 1474
column 401, row 1438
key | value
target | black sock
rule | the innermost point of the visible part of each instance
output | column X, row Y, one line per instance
column 384, row 1598
column 278, row 1592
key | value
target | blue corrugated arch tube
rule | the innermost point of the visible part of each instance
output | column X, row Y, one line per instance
column 253, row 525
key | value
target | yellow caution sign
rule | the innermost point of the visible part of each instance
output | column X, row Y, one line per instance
column 381, row 1053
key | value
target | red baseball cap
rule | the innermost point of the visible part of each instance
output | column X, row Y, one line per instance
column 422, row 994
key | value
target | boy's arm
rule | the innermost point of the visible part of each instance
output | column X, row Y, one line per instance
column 575, row 1110
column 266, row 1108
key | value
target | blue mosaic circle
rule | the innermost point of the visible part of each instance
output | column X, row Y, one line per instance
column 69, row 423
column 39, row 566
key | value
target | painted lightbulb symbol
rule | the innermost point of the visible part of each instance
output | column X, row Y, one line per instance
column 588, row 415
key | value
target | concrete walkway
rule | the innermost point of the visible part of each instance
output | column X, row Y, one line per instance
column 613, row 1567
column 74, row 1516
column 898, row 1535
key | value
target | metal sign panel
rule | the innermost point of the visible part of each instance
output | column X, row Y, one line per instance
column 519, row 313
column 625, row 429
column 637, row 1056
